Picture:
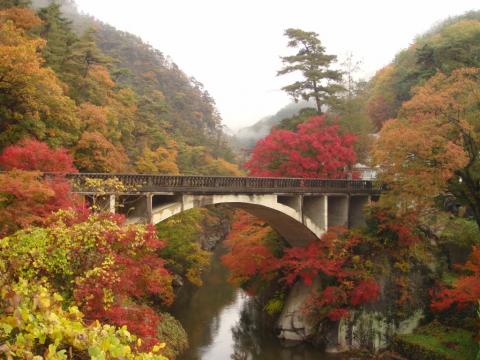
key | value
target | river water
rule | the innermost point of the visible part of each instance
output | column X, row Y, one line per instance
column 223, row 323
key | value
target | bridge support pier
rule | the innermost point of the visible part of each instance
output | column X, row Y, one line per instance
column 356, row 216
column 338, row 209
column 315, row 210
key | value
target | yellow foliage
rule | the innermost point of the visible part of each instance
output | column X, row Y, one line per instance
column 160, row 161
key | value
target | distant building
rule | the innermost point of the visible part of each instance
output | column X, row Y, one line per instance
column 363, row 172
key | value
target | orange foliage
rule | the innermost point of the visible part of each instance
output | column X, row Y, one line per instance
column 249, row 257
column 94, row 153
column 93, row 117
column 23, row 18
column 33, row 102
column 434, row 141
column 416, row 161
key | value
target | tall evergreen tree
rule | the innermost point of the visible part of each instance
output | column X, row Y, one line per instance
column 60, row 37
column 320, row 82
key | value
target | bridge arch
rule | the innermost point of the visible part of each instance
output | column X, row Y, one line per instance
column 299, row 219
column 298, row 230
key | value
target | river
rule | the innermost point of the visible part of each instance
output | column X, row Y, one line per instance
column 223, row 323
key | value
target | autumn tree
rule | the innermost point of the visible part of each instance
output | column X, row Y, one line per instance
column 33, row 102
column 160, row 161
column 320, row 82
column 258, row 256
column 253, row 250
column 33, row 155
column 27, row 198
column 315, row 150
column 439, row 150
column 22, row 17
column 94, row 153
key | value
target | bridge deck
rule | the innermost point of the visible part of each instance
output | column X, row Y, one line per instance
column 142, row 183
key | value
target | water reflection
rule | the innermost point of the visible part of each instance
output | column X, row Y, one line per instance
column 223, row 323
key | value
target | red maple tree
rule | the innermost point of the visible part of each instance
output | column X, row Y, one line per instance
column 465, row 290
column 27, row 198
column 31, row 154
column 315, row 150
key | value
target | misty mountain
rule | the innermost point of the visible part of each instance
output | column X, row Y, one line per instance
column 247, row 137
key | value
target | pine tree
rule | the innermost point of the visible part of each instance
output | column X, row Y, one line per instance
column 320, row 82
column 60, row 37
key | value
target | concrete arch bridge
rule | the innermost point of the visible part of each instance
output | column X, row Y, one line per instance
column 301, row 210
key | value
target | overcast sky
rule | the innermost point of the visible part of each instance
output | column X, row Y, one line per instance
column 233, row 47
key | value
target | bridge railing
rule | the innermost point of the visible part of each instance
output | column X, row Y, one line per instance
column 218, row 184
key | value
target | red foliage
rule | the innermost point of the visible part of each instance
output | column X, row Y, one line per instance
column 396, row 228
column 465, row 290
column 27, row 199
column 331, row 260
column 338, row 313
column 140, row 320
column 127, row 271
column 366, row 291
column 326, row 256
column 249, row 258
column 316, row 150
column 35, row 155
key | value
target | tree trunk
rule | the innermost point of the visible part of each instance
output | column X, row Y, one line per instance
column 319, row 105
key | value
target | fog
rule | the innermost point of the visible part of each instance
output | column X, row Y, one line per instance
column 234, row 47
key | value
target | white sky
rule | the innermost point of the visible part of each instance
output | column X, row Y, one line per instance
column 234, row 46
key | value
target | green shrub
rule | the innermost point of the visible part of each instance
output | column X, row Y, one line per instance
column 183, row 253
column 171, row 332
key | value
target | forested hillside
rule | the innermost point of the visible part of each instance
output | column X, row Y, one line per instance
column 452, row 44
column 96, row 90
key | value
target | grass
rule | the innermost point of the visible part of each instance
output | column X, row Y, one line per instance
column 435, row 341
